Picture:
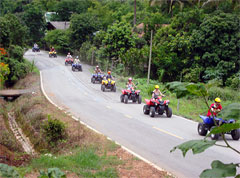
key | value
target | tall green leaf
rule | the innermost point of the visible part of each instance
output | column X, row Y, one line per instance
column 224, row 128
column 219, row 170
column 232, row 111
column 197, row 146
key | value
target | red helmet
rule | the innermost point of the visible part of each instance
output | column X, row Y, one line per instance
column 130, row 79
column 109, row 72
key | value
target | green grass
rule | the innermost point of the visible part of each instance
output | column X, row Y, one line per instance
column 84, row 162
column 190, row 108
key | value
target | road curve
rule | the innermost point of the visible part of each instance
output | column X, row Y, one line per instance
column 151, row 138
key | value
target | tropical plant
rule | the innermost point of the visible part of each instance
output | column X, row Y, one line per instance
column 231, row 111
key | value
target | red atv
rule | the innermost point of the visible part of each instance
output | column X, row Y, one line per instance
column 68, row 61
column 157, row 106
column 131, row 94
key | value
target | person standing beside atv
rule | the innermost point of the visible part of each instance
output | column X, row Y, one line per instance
column 130, row 84
column 98, row 70
column 109, row 76
column 215, row 108
column 157, row 93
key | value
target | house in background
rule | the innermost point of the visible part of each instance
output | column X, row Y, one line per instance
column 52, row 25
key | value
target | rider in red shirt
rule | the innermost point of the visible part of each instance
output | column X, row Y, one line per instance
column 215, row 108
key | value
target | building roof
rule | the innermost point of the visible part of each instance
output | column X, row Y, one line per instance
column 60, row 25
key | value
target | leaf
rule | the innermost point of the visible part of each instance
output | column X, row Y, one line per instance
column 220, row 170
column 197, row 146
column 179, row 88
column 8, row 171
column 231, row 111
column 197, row 89
column 224, row 128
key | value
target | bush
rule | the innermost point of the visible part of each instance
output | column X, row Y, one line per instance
column 223, row 93
column 54, row 130
column 234, row 81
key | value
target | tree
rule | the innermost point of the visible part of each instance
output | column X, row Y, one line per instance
column 12, row 31
column 82, row 28
column 119, row 38
column 34, row 19
column 217, row 43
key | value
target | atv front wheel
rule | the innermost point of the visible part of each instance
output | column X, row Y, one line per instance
column 146, row 109
column 139, row 99
column 122, row 98
column 93, row 80
column 235, row 134
column 152, row 112
column 202, row 129
column 103, row 88
column 125, row 99
column 169, row 112
column 66, row 63
column 214, row 136
column 114, row 88
column 73, row 68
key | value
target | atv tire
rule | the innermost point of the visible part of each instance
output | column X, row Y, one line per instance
column 125, row 99
column 114, row 88
column 152, row 112
column 202, row 129
column 235, row 134
column 93, row 80
column 103, row 88
column 66, row 63
column 139, row 99
column 169, row 112
column 214, row 136
column 73, row 68
column 146, row 109
column 122, row 98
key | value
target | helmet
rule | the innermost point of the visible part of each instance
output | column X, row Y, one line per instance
column 68, row 53
column 97, row 66
column 109, row 72
column 77, row 57
column 217, row 100
column 156, row 86
column 130, row 79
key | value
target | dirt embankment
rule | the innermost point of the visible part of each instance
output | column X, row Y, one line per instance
column 32, row 109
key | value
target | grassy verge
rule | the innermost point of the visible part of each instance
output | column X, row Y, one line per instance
column 190, row 108
column 84, row 162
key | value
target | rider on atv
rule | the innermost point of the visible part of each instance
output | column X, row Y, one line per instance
column 157, row 93
column 97, row 70
column 130, row 84
column 76, row 60
column 52, row 49
column 69, row 55
column 109, row 76
column 215, row 108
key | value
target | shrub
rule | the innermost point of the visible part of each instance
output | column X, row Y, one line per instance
column 223, row 93
column 53, row 129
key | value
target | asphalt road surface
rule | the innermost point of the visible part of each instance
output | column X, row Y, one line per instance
column 151, row 138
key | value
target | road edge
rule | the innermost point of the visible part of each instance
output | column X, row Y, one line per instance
column 123, row 147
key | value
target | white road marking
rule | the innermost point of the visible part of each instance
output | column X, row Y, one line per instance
column 128, row 116
column 166, row 132
column 109, row 107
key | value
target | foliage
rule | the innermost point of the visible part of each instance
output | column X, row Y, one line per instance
column 54, row 130
column 34, row 19
column 232, row 111
column 219, row 170
column 59, row 39
column 82, row 28
column 216, row 42
column 118, row 40
column 12, row 31
column 8, row 171
column 52, row 173
column 4, row 71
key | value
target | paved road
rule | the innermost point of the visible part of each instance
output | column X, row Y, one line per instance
column 152, row 138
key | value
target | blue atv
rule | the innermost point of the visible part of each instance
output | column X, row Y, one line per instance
column 35, row 49
column 208, row 124
column 77, row 67
column 97, row 78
